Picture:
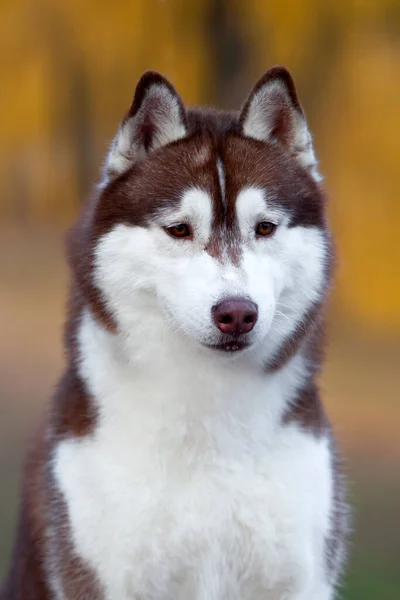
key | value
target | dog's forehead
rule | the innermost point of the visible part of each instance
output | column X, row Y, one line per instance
column 220, row 166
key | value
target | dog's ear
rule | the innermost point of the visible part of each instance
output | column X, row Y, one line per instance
column 272, row 113
column 155, row 118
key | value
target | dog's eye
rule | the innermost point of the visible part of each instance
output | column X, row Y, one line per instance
column 265, row 229
column 179, row 231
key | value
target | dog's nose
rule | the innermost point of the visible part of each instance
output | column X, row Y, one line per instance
column 235, row 316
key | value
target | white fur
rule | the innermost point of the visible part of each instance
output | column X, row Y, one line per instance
column 221, row 178
column 190, row 487
column 260, row 123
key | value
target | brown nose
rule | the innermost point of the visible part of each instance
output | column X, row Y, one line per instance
column 235, row 316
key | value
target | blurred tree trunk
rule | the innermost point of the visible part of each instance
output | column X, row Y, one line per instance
column 229, row 56
column 81, row 129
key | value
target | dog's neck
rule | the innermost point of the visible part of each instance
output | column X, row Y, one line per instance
column 181, row 383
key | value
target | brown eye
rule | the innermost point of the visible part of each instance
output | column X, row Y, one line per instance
column 179, row 231
column 265, row 229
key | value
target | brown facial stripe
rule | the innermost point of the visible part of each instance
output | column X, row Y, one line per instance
column 224, row 244
column 307, row 411
column 225, row 240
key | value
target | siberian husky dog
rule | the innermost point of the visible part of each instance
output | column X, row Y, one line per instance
column 187, row 455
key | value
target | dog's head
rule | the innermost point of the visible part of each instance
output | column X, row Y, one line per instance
column 211, row 223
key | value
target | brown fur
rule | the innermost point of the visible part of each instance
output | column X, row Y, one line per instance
column 43, row 505
column 307, row 411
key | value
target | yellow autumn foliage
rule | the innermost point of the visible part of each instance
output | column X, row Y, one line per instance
column 69, row 68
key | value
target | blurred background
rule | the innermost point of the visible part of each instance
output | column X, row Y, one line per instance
column 68, row 72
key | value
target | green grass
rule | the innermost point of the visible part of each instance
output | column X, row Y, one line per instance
column 368, row 583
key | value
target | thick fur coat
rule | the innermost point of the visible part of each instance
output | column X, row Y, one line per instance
column 187, row 455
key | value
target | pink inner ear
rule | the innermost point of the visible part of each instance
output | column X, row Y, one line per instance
column 282, row 124
column 146, row 132
column 155, row 112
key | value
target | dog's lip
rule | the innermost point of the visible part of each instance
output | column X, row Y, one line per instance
column 230, row 345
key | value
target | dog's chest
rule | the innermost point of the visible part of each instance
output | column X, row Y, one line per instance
column 162, row 526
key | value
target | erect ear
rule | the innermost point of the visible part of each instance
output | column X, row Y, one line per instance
column 272, row 113
column 155, row 118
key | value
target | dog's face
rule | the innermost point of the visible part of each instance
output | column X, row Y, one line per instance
column 209, row 225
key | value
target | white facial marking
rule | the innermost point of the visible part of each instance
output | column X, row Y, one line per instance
column 195, row 210
column 252, row 207
column 221, row 178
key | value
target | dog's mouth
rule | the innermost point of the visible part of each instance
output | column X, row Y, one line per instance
column 234, row 345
